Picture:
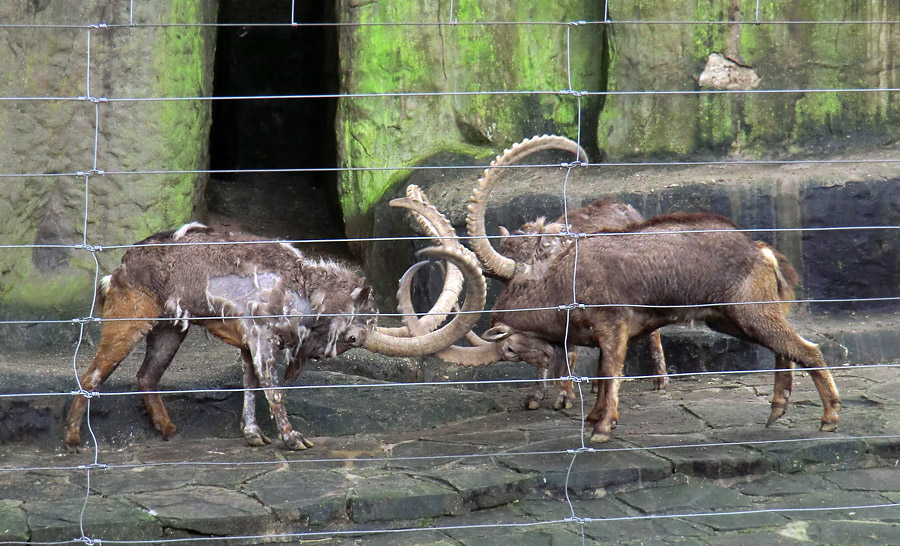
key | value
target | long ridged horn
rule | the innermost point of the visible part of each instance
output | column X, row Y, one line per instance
column 481, row 353
column 436, row 225
column 381, row 341
column 494, row 263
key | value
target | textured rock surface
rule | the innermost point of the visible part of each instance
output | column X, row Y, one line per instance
column 57, row 135
column 690, row 465
column 646, row 57
column 401, row 131
column 626, row 56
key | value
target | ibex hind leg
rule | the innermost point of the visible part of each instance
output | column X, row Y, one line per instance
column 784, row 379
column 773, row 331
column 163, row 342
column 118, row 340
column 659, row 361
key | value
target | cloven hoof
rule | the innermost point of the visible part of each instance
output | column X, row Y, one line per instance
column 777, row 412
column 828, row 427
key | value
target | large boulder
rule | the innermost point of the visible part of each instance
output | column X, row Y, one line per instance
column 56, row 134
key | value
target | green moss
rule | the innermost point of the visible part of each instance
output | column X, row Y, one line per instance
column 716, row 121
column 815, row 112
column 180, row 61
column 35, row 295
column 710, row 38
column 396, row 132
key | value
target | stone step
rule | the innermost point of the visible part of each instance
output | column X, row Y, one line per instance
column 204, row 365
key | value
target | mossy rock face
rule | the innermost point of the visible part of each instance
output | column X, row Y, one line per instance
column 58, row 136
column 646, row 57
column 398, row 131
column 405, row 130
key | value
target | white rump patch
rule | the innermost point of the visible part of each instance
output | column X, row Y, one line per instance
column 767, row 252
column 809, row 343
column 104, row 284
column 185, row 228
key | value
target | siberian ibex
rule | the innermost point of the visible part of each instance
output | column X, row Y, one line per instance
column 669, row 269
column 264, row 298
column 538, row 240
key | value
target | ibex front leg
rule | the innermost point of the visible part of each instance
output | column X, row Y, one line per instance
column 613, row 342
column 565, row 396
column 263, row 349
column 249, row 428
column 533, row 401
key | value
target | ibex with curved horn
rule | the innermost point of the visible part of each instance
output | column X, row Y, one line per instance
column 670, row 269
column 264, row 298
column 538, row 241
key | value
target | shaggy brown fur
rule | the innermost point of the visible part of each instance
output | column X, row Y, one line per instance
column 266, row 299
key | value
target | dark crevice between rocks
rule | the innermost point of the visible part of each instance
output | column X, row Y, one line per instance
column 593, row 105
column 686, row 409
column 276, row 134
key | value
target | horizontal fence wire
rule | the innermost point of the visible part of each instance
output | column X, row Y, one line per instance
column 447, row 383
column 101, row 103
column 454, row 23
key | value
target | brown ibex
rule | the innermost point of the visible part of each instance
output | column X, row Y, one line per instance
column 669, row 269
column 264, row 298
column 538, row 241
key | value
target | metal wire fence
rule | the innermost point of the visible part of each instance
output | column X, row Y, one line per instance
column 94, row 170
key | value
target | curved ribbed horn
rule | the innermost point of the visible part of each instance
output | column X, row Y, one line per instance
column 436, row 225
column 481, row 353
column 494, row 263
column 381, row 341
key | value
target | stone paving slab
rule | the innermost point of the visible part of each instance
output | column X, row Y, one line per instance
column 495, row 474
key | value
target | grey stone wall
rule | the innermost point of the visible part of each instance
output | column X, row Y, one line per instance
column 46, row 131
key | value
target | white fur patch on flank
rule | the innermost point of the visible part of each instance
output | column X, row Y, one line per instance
column 185, row 228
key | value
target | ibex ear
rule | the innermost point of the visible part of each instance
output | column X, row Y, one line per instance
column 317, row 300
column 497, row 333
column 361, row 295
column 503, row 231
